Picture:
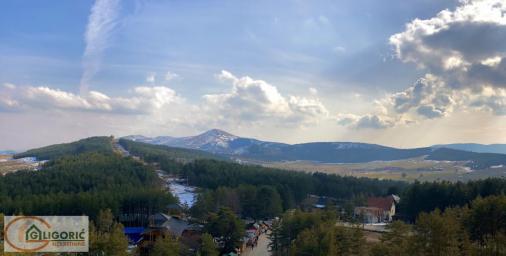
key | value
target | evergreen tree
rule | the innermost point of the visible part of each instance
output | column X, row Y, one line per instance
column 107, row 237
column 487, row 217
column 494, row 245
column 438, row 234
column 165, row 246
column 208, row 246
column 275, row 237
column 349, row 241
column 226, row 226
column 396, row 241
column 1, row 233
column 268, row 202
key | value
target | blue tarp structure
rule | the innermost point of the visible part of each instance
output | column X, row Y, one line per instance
column 133, row 234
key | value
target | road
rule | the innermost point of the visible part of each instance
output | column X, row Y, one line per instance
column 262, row 249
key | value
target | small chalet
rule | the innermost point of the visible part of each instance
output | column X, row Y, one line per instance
column 378, row 209
column 162, row 225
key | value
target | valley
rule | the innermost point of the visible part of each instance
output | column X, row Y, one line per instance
column 8, row 164
column 410, row 170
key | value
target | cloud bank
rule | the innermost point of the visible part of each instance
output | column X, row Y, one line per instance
column 463, row 52
column 248, row 101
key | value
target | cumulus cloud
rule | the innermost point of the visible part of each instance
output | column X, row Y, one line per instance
column 491, row 99
column 429, row 111
column 254, row 100
column 143, row 100
column 373, row 122
column 101, row 23
column 463, row 52
column 464, row 46
column 428, row 98
column 369, row 121
column 249, row 101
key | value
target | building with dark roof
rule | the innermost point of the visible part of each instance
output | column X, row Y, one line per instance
column 162, row 225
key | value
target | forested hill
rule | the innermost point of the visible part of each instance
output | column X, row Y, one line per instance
column 100, row 144
column 159, row 153
column 84, row 184
column 475, row 160
column 84, row 177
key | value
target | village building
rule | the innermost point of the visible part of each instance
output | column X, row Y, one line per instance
column 163, row 225
column 378, row 209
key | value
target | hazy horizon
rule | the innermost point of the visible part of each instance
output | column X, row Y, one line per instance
column 402, row 74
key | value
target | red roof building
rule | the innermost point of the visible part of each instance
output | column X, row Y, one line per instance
column 378, row 209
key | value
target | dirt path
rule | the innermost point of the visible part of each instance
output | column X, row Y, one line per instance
column 262, row 249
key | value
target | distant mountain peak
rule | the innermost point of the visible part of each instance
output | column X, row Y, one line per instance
column 221, row 142
column 210, row 139
column 217, row 133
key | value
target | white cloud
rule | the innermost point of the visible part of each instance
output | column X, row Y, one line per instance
column 491, row 99
column 464, row 46
column 373, row 122
column 42, row 97
column 101, row 23
column 492, row 61
column 429, row 98
column 307, row 106
column 429, row 92
column 463, row 51
column 255, row 100
column 248, row 101
column 368, row 121
column 143, row 100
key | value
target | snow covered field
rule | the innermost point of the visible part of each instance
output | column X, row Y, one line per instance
column 186, row 194
column 177, row 188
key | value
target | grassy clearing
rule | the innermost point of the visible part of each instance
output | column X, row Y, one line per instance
column 7, row 164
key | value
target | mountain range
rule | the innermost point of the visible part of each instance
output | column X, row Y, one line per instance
column 475, row 147
column 223, row 143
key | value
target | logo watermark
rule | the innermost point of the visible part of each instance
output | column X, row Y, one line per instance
column 46, row 234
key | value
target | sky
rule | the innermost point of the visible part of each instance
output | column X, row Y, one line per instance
column 398, row 73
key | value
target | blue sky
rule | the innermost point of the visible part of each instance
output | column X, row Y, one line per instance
column 289, row 71
column 335, row 42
